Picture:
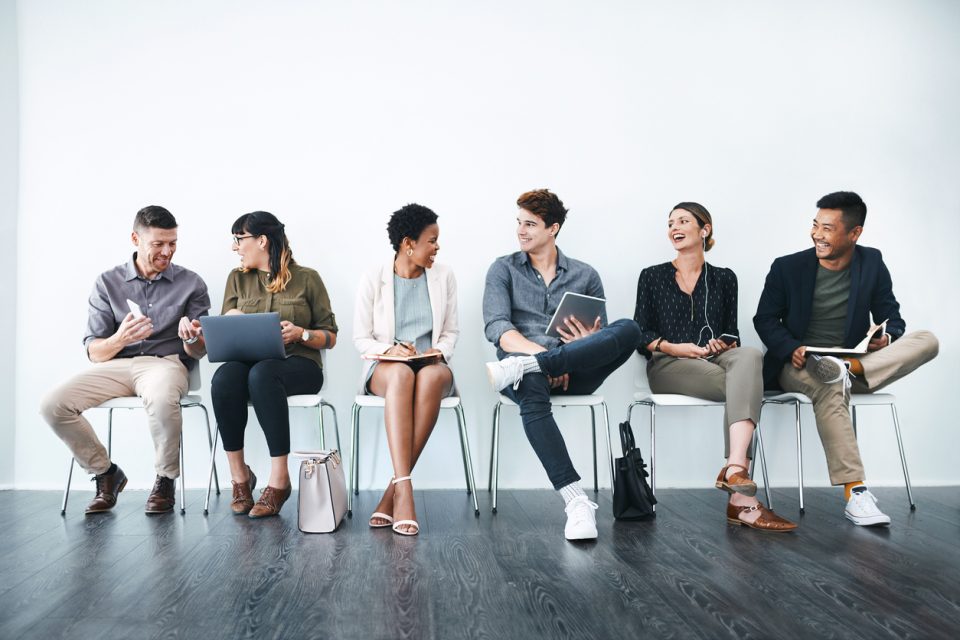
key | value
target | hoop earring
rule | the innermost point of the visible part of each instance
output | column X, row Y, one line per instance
column 409, row 252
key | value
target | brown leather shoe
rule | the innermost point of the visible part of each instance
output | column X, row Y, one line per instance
column 738, row 482
column 108, row 486
column 270, row 502
column 243, row 495
column 162, row 497
column 768, row 520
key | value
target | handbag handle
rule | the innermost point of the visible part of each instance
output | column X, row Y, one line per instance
column 626, row 437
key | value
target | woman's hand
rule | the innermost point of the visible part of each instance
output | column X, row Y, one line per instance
column 717, row 347
column 290, row 332
column 684, row 350
column 401, row 349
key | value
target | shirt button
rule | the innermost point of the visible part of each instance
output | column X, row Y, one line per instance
column 150, row 305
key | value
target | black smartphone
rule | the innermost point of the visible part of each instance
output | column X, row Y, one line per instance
column 728, row 338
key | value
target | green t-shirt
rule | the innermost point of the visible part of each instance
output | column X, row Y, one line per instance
column 829, row 313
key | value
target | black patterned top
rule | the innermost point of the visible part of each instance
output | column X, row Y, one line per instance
column 664, row 310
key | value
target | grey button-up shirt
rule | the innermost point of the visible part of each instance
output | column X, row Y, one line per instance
column 176, row 292
column 515, row 296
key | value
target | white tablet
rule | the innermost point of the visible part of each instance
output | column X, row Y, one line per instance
column 586, row 309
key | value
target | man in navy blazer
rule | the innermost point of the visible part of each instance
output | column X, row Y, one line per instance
column 826, row 296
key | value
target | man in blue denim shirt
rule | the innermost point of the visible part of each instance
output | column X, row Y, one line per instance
column 522, row 292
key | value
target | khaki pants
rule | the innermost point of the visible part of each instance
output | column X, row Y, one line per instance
column 831, row 405
column 160, row 382
column 735, row 376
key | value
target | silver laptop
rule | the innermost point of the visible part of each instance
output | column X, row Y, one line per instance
column 249, row 337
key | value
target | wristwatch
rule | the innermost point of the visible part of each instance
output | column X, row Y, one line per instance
column 305, row 337
column 191, row 340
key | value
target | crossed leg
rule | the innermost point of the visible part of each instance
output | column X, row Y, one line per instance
column 412, row 404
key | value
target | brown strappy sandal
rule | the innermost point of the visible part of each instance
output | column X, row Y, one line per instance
column 738, row 482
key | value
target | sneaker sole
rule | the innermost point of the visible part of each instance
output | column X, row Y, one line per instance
column 874, row 521
column 491, row 376
column 586, row 537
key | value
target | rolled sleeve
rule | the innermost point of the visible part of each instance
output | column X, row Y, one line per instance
column 497, row 304
column 198, row 304
column 101, row 321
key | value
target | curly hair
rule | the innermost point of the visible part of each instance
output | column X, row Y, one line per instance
column 409, row 222
column 545, row 205
column 263, row 223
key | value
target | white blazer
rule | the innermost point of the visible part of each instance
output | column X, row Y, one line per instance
column 374, row 325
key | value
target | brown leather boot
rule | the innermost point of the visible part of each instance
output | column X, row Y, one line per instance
column 161, row 498
column 108, row 486
column 243, row 495
column 270, row 502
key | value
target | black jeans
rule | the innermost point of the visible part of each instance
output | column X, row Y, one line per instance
column 588, row 361
column 266, row 384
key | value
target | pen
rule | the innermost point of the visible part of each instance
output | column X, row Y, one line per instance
column 403, row 344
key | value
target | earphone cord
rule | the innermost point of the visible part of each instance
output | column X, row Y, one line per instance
column 706, row 301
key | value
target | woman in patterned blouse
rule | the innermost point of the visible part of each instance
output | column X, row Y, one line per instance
column 687, row 312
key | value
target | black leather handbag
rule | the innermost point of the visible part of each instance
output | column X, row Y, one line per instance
column 632, row 497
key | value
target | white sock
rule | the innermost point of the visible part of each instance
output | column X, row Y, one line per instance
column 530, row 364
column 570, row 492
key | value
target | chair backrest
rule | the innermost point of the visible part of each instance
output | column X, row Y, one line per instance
column 640, row 380
column 193, row 377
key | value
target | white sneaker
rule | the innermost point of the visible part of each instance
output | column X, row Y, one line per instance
column 506, row 372
column 581, row 523
column 828, row 369
column 862, row 510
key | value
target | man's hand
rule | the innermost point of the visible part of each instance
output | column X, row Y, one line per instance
column 799, row 357
column 574, row 330
column 133, row 330
column 559, row 381
column 879, row 343
column 188, row 329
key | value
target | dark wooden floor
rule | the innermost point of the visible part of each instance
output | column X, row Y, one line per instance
column 511, row 575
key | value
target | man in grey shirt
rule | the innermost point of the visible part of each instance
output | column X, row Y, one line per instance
column 144, row 351
column 522, row 292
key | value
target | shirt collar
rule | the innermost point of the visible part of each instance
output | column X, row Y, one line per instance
column 131, row 273
column 562, row 263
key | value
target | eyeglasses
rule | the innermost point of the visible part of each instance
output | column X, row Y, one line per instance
column 237, row 239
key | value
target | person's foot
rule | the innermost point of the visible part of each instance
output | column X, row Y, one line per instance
column 270, row 502
column 383, row 514
column 243, row 494
column 827, row 369
column 162, row 496
column 733, row 478
column 862, row 509
column 404, row 510
column 108, row 487
column 581, row 521
column 505, row 373
column 756, row 516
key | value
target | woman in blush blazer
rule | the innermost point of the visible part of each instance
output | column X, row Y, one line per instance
column 407, row 307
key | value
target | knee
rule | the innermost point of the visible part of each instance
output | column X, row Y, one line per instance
column 930, row 345
column 53, row 408
column 227, row 376
column 167, row 396
column 432, row 377
column 400, row 376
column 628, row 331
column 533, row 397
column 750, row 355
column 261, row 375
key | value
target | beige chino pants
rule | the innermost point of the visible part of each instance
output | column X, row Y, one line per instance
column 831, row 405
column 734, row 377
column 160, row 382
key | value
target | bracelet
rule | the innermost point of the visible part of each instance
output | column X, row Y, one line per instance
column 191, row 340
column 656, row 347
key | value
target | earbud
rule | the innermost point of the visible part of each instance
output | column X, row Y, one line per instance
column 703, row 234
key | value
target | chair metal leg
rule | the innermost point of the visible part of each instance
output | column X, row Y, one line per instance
column 353, row 480
column 495, row 453
column 758, row 449
column 110, row 434
column 593, row 441
column 336, row 427
column 467, row 459
column 461, row 420
column 606, row 422
column 653, row 450
column 320, row 426
column 183, row 490
column 216, row 479
column 66, row 492
column 796, row 409
column 213, row 463
column 853, row 419
column 903, row 456
column 492, row 443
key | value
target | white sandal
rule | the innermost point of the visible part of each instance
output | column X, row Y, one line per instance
column 400, row 523
column 377, row 514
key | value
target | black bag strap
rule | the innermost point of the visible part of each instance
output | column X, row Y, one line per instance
column 626, row 437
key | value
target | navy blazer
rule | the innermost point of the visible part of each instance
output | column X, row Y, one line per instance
column 783, row 313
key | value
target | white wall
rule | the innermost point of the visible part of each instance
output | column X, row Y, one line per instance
column 9, row 179
column 332, row 115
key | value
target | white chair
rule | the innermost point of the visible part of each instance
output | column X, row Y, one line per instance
column 307, row 401
column 591, row 401
column 856, row 400
column 136, row 402
column 644, row 396
column 376, row 402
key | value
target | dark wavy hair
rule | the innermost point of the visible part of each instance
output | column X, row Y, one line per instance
column 545, row 205
column 262, row 223
column 409, row 222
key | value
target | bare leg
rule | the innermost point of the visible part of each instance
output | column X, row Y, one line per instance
column 394, row 382
column 239, row 471
column 741, row 435
column 279, row 473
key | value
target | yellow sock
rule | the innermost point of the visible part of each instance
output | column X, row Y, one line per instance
column 848, row 488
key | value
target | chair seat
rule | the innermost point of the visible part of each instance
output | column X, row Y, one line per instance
column 563, row 401
column 674, row 400
column 782, row 397
column 872, row 398
column 367, row 400
column 136, row 402
column 305, row 401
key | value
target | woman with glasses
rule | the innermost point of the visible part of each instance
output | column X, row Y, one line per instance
column 407, row 308
column 687, row 312
column 269, row 280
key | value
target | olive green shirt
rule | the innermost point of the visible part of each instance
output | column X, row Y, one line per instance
column 828, row 318
column 304, row 302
